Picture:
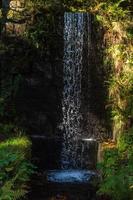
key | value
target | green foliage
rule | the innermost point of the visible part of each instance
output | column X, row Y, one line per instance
column 15, row 169
column 125, row 142
column 10, row 130
column 38, row 33
column 6, row 129
column 117, row 165
column 42, row 28
column 116, row 19
column 130, row 32
column 117, row 169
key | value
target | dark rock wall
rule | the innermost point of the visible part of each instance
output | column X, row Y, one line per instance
column 39, row 97
column 94, row 76
column 32, row 75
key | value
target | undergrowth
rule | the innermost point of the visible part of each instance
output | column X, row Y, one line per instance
column 15, row 168
column 117, row 169
column 117, row 165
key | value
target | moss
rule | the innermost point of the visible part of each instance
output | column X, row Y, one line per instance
column 20, row 143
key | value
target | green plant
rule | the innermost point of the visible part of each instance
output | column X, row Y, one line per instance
column 15, row 169
column 117, row 169
column 116, row 20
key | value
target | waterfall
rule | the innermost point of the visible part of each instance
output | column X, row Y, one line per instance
column 74, row 35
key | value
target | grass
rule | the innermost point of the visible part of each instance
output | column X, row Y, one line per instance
column 17, row 143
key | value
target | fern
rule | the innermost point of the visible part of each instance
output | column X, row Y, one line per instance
column 15, row 169
column 8, row 193
column 17, row 194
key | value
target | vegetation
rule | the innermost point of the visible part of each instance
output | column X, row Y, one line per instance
column 117, row 163
column 15, row 169
column 15, row 147
column 117, row 22
column 117, row 169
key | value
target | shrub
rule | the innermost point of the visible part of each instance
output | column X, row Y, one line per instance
column 15, row 169
column 117, row 169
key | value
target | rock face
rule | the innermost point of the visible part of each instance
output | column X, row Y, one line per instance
column 39, row 99
column 34, row 78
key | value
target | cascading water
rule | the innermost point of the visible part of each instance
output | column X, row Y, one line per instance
column 70, row 162
column 74, row 35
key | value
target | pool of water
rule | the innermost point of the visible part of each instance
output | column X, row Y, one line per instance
column 70, row 176
column 69, row 184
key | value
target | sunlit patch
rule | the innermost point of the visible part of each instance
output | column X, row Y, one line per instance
column 89, row 139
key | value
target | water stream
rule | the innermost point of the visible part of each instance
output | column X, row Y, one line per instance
column 76, row 26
